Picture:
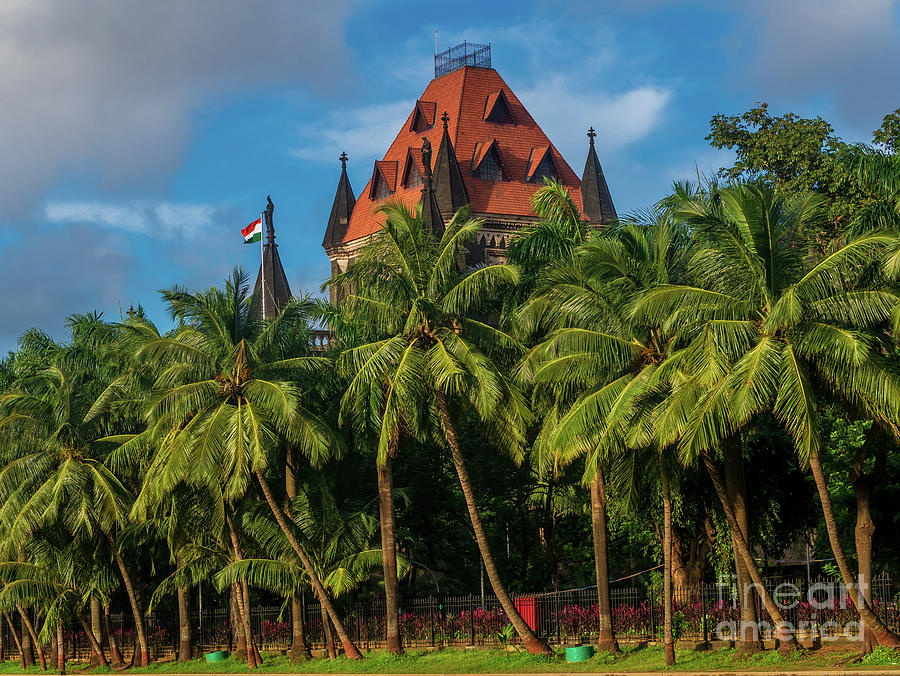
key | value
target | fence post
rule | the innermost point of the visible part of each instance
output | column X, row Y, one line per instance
column 652, row 619
column 431, row 617
column 558, row 623
column 471, row 619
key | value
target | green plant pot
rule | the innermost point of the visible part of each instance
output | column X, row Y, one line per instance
column 217, row 656
column 579, row 653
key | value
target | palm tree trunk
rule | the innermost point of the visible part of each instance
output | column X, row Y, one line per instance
column 350, row 649
column 96, row 649
column 97, row 621
column 668, row 638
column 26, row 622
column 53, row 650
column 864, row 532
column 883, row 635
column 245, row 589
column 606, row 640
column 393, row 642
column 115, row 655
column 132, row 599
column 27, row 651
column 326, row 634
column 60, row 649
column 299, row 646
column 16, row 639
column 532, row 643
column 783, row 631
column 733, row 461
column 243, row 601
column 236, row 620
column 185, row 648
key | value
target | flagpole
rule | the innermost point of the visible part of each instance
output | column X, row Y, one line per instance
column 262, row 264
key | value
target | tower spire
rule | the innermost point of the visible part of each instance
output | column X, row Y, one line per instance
column 431, row 213
column 341, row 209
column 449, row 187
column 276, row 288
column 598, row 204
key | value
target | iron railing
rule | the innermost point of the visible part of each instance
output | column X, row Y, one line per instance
column 563, row 618
column 465, row 54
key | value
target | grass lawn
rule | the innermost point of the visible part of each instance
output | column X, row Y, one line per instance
column 494, row 661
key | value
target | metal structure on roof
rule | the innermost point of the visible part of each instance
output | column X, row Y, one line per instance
column 465, row 54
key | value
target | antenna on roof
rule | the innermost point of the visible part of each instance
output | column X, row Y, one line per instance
column 435, row 41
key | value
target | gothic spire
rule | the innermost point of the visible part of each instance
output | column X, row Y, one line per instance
column 431, row 213
column 344, row 201
column 277, row 290
column 449, row 187
column 598, row 204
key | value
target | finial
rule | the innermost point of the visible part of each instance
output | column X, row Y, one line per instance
column 343, row 159
column 445, row 119
column 591, row 135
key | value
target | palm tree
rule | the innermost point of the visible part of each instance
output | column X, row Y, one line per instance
column 229, row 396
column 338, row 540
column 771, row 332
column 56, row 446
column 595, row 361
column 878, row 175
column 59, row 579
column 435, row 350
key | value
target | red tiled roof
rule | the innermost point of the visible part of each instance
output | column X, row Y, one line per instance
column 463, row 93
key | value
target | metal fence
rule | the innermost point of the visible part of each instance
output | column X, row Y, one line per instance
column 702, row 612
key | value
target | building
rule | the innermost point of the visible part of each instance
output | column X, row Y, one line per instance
column 491, row 154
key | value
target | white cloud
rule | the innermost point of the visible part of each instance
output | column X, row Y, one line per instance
column 161, row 220
column 565, row 111
column 365, row 132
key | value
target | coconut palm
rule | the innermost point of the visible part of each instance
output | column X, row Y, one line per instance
column 56, row 448
column 338, row 540
column 773, row 332
column 231, row 392
column 595, row 360
column 59, row 577
column 435, row 354
column 878, row 175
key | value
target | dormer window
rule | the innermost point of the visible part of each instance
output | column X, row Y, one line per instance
column 497, row 110
column 423, row 116
column 489, row 169
column 541, row 165
column 384, row 180
column 412, row 170
column 382, row 190
column 487, row 164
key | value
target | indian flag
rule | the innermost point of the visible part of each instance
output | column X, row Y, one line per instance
column 253, row 232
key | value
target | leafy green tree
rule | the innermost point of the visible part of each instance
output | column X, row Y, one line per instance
column 888, row 134
column 796, row 155
column 436, row 349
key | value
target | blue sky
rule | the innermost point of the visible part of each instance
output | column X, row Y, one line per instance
column 137, row 138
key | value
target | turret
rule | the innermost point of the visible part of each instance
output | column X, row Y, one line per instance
column 277, row 290
column 449, row 187
column 596, row 200
column 341, row 209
